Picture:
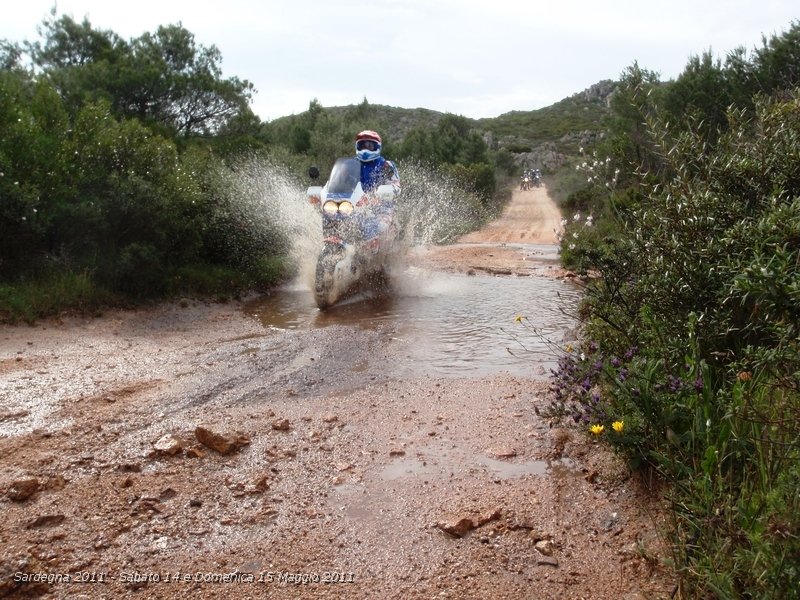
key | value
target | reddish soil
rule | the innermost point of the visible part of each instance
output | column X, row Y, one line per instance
column 371, row 487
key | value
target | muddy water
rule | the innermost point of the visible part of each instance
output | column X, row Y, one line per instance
column 447, row 324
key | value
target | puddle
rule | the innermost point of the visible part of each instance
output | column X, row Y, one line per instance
column 447, row 324
column 365, row 501
column 498, row 469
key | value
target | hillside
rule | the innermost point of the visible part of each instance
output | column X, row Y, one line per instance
column 565, row 124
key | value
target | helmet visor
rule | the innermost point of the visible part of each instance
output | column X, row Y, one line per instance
column 370, row 145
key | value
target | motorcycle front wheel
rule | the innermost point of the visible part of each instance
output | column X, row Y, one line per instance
column 326, row 288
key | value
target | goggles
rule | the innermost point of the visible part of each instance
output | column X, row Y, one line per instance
column 370, row 145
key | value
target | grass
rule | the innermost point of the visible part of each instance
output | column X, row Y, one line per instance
column 62, row 292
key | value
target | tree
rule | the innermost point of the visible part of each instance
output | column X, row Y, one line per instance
column 164, row 79
column 702, row 94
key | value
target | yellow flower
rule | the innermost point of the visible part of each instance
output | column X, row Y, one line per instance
column 569, row 347
column 518, row 318
column 618, row 426
column 596, row 429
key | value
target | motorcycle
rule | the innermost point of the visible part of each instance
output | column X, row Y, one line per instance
column 358, row 231
column 525, row 185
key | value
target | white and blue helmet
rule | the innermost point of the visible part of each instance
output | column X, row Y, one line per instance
column 368, row 146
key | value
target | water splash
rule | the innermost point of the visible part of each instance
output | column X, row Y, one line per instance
column 432, row 209
column 269, row 198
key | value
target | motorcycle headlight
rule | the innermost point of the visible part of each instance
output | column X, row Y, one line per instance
column 330, row 207
column 345, row 207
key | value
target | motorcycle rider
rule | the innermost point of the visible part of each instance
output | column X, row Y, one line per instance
column 375, row 170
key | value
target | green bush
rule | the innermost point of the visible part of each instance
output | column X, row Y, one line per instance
column 692, row 346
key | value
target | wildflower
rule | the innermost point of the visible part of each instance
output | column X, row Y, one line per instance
column 518, row 318
column 618, row 426
column 572, row 246
column 577, row 217
column 698, row 384
column 569, row 347
column 744, row 376
column 596, row 429
column 630, row 353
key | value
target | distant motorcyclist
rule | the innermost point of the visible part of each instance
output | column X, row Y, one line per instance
column 375, row 170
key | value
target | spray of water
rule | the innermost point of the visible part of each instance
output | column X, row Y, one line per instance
column 269, row 198
column 432, row 209
column 435, row 208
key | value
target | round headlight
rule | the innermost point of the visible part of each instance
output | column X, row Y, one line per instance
column 345, row 207
column 330, row 207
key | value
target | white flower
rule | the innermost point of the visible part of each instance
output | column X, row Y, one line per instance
column 564, row 222
column 575, row 235
column 572, row 246
column 577, row 217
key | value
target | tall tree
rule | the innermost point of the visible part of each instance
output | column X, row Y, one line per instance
column 163, row 79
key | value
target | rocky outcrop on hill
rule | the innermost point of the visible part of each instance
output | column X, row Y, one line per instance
column 545, row 157
column 600, row 92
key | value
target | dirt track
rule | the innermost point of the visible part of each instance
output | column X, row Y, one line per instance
column 399, row 488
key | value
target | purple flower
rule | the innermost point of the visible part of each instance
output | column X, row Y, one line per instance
column 698, row 384
column 623, row 374
column 615, row 362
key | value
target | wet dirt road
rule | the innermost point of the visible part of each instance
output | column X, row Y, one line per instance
column 193, row 452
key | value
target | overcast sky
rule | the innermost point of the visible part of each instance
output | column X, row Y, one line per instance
column 477, row 58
